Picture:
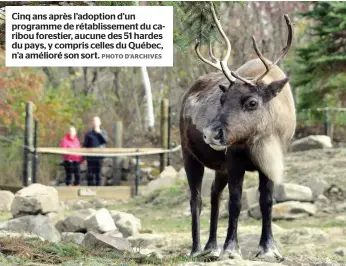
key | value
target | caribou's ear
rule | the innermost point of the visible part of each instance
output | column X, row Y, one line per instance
column 223, row 88
column 274, row 88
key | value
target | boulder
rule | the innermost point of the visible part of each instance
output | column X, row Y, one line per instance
column 24, row 236
column 35, row 199
column 100, row 222
column 292, row 210
column 86, row 192
column 114, row 233
column 99, row 203
column 182, row 174
column 6, row 199
column 249, row 198
column 167, row 178
column 148, row 240
column 288, row 210
column 317, row 185
column 128, row 224
column 75, row 222
column 322, row 201
column 310, row 143
column 231, row 262
column 288, row 192
column 79, row 204
column 94, row 240
column 76, row 238
column 340, row 251
column 40, row 225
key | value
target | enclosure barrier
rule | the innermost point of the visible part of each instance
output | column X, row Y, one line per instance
column 31, row 146
column 327, row 120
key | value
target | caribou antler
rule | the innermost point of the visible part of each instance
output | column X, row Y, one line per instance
column 284, row 51
column 222, row 64
column 219, row 64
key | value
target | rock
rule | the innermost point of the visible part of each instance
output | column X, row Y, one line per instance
column 288, row 192
column 231, row 262
column 97, row 241
column 86, row 192
column 99, row 203
column 322, row 201
column 182, row 174
column 288, row 210
column 75, row 222
column 100, row 222
column 341, row 218
column 208, row 179
column 6, row 199
column 310, row 143
column 340, row 251
column 249, row 198
column 128, row 224
column 167, row 178
column 40, row 225
column 292, row 210
column 341, row 207
column 114, row 233
column 35, row 199
column 80, row 204
column 255, row 211
column 25, row 236
column 76, row 238
column 317, row 185
column 148, row 240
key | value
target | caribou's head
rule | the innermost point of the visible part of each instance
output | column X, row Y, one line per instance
column 244, row 102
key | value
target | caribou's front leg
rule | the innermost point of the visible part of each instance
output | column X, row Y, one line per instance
column 267, row 248
column 194, row 171
column 218, row 186
column 269, row 158
column 236, row 173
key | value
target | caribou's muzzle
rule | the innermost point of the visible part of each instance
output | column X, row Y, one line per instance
column 215, row 137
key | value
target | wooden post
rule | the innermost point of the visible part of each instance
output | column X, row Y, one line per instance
column 118, row 143
column 27, row 169
column 326, row 122
column 137, row 175
column 169, row 136
column 35, row 155
column 164, row 131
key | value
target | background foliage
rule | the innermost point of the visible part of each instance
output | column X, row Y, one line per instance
column 316, row 64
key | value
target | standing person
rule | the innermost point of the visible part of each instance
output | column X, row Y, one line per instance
column 96, row 138
column 71, row 162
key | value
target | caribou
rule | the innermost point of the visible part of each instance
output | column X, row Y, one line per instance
column 232, row 122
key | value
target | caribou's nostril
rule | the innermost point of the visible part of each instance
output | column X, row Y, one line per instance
column 219, row 134
column 204, row 136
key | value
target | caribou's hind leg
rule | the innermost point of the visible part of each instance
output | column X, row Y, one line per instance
column 218, row 186
column 236, row 171
column 267, row 248
column 194, row 171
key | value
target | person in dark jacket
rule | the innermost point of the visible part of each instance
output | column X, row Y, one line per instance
column 96, row 138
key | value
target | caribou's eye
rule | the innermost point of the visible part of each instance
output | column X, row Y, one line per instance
column 251, row 104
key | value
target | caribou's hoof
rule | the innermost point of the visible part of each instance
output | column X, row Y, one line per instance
column 213, row 253
column 272, row 254
column 231, row 254
column 199, row 254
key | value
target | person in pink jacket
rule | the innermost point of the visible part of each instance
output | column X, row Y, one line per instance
column 72, row 162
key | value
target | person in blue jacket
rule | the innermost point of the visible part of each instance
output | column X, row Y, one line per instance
column 96, row 138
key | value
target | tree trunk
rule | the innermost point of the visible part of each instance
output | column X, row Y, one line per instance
column 150, row 119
